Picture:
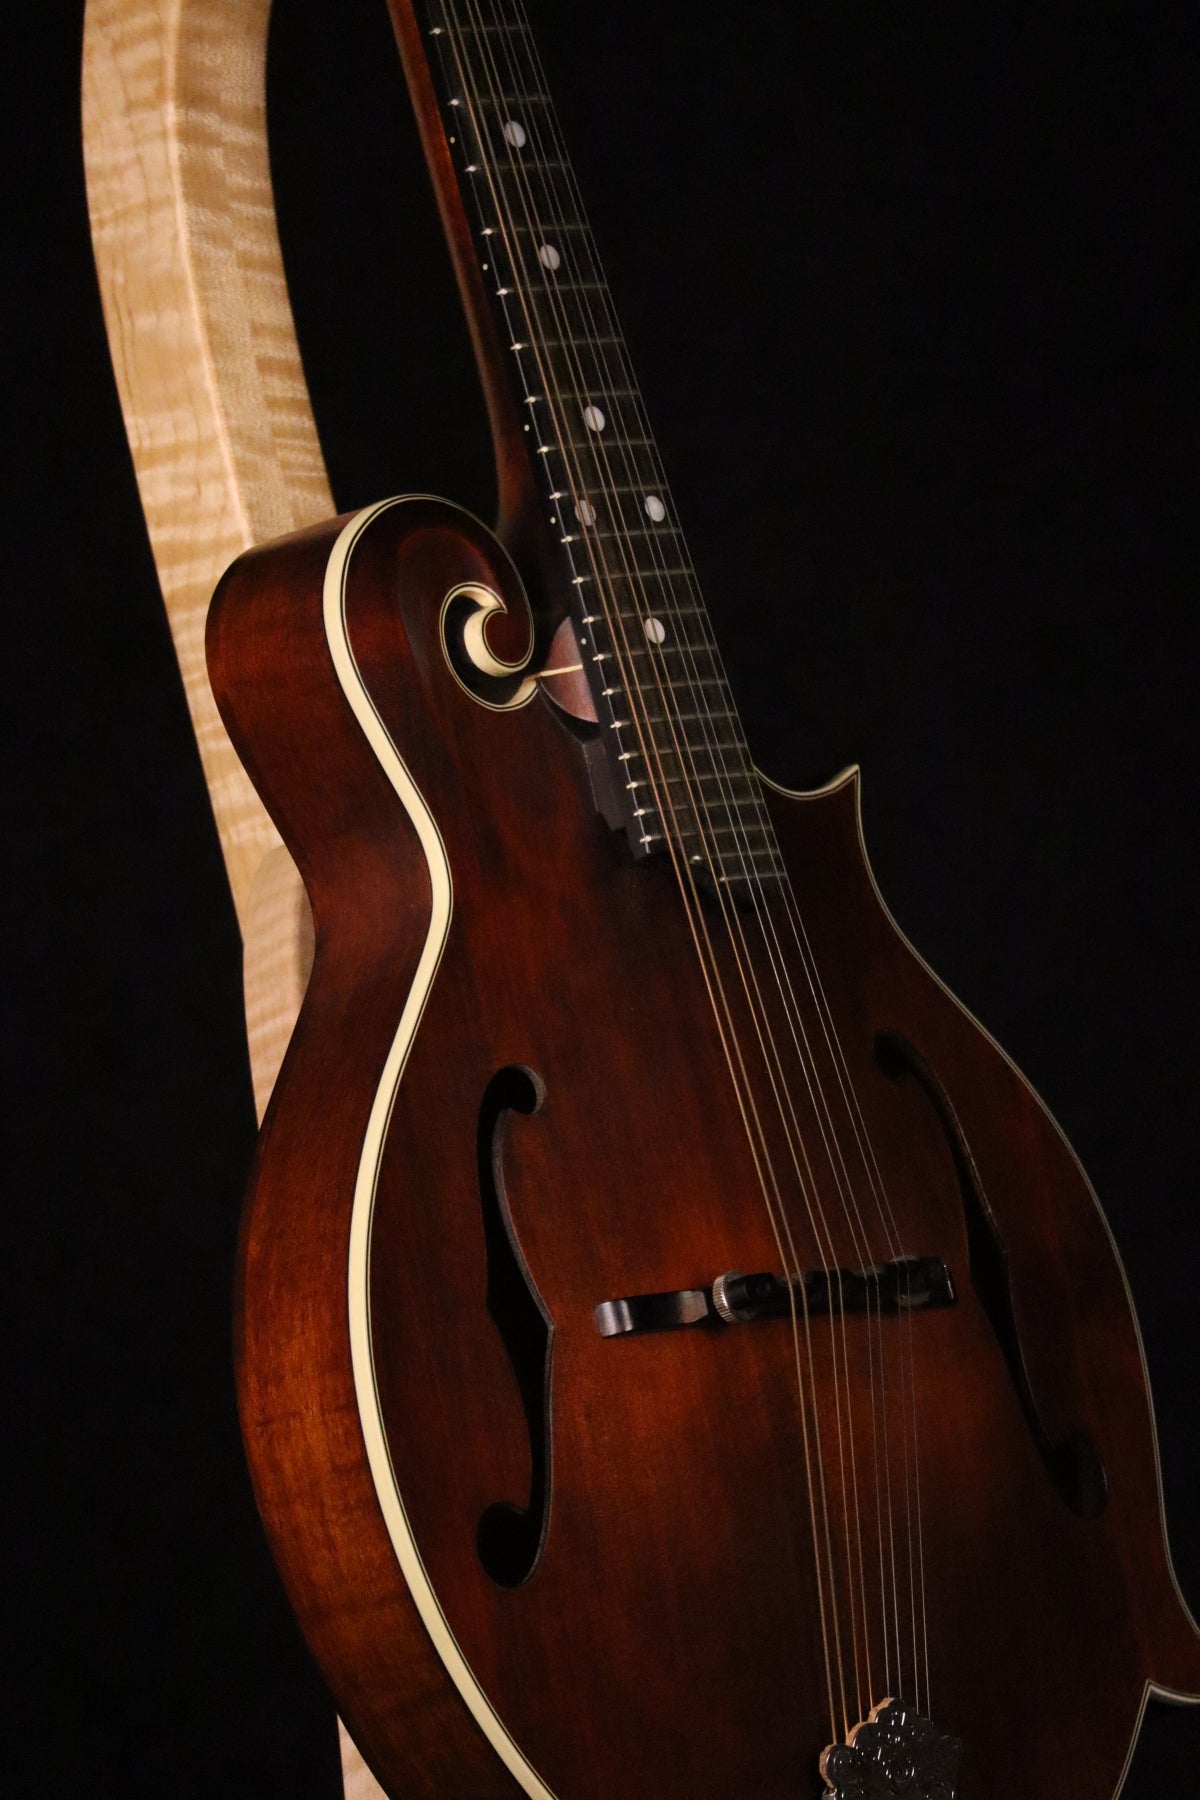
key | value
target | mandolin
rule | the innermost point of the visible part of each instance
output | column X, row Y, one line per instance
column 677, row 1350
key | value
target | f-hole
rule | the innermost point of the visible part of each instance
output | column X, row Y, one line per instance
column 1074, row 1463
column 509, row 1537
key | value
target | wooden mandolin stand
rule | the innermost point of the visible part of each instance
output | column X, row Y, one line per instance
column 215, row 405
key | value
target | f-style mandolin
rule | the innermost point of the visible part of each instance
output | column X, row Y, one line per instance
column 677, row 1350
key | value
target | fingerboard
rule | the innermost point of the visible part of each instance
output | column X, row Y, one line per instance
column 672, row 736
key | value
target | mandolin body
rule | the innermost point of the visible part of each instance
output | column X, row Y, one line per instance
column 475, row 914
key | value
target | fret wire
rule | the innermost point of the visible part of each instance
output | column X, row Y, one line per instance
column 713, row 775
column 689, row 687
column 515, row 100
column 571, row 225
column 673, row 573
column 670, row 609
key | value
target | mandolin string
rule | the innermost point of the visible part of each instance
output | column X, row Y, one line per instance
column 841, row 1158
column 906, row 1324
column 567, row 444
column 689, row 647
column 779, row 1246
column 778, row 1083
column 783, row 1259
column 632, row 392
column 884, row 1210
column 875, row 1345
column 513, row 159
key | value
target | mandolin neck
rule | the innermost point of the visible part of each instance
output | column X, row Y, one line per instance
column 574, row 446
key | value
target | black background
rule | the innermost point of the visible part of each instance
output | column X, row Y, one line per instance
column 907, row 291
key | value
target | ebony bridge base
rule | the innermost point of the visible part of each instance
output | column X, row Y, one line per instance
column 909, row 1284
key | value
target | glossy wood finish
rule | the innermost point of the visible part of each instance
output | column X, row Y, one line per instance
column 212, row 391
column 669, row 1637
column 214, row 400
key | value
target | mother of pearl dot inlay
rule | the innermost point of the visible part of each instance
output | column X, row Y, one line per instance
column 655, row 630
column 593, row 418
column 548, row 257
column 585, row 513
column 514, row 134
column 655, row 508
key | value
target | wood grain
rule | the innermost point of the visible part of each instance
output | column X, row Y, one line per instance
column 214, row 400
column 211, row 387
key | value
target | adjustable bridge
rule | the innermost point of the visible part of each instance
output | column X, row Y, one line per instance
column 909, row 1284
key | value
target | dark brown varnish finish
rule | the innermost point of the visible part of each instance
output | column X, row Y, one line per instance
column 669, row 1640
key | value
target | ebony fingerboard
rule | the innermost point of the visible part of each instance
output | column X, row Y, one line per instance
column 675, row 741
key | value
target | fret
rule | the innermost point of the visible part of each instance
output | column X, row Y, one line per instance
column 657, row 571
column 679, row 753
column 712, row 828
column 773, row 861
column 671, row 676
column 652, row 663
column 511, row 100
column 690, row 718
column 611, row 440
column 572, row 343
column 619, row 393
column 722, row 775
column 663, row 536
column 575, row 226
column 567, row 287
column 711, row 718
column 540, row 163
column 668, row 611
column 701, row 688
column 674, row 679
column 466, row 25
column 687, row 687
